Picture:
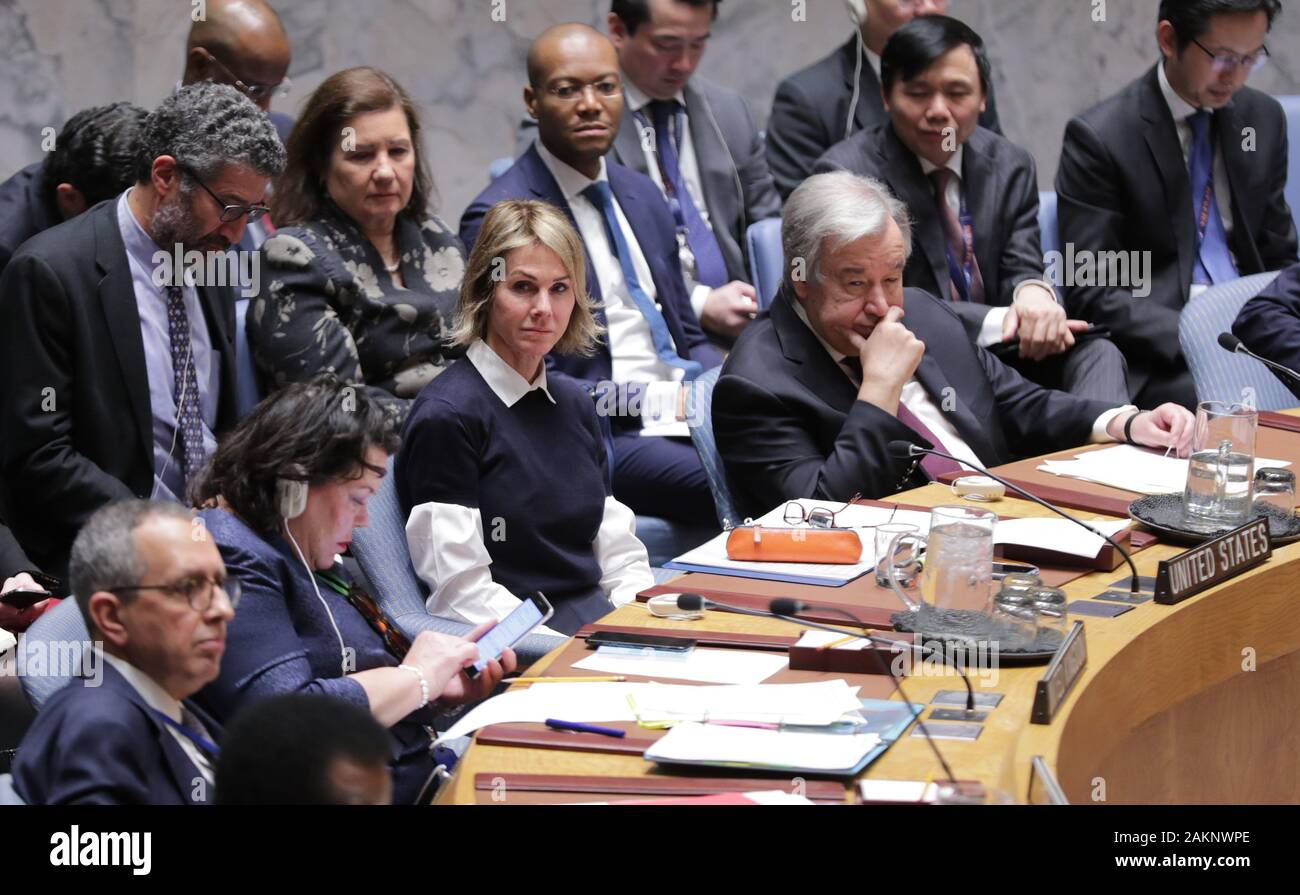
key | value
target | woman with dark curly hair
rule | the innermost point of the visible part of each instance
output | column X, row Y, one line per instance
column 361, row 275
column 281, row 497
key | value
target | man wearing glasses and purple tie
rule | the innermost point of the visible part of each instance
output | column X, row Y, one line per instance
column 1188, row 166
column 119, row 368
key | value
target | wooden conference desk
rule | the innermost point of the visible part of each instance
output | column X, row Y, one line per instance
column 1193, row 703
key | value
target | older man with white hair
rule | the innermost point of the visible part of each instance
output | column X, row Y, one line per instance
column 848, row 361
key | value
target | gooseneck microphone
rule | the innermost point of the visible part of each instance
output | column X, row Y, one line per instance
column 1229, row 342
column 907, row 450
column 695, row 602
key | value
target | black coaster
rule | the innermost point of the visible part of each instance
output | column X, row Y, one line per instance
column 1097, row 610
column 1123, row 596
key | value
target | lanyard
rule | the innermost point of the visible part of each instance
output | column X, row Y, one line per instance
column 205, row 745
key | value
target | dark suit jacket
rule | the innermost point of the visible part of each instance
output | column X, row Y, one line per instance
column 12, row 558
column 811, row 109
column 101, row 745
column 789, row 425
column 1269, row 324
column 75, row 411
column 738, row 188
column 648, row 215
column 1000, row 184
column 1123, row 186
column 23, row 211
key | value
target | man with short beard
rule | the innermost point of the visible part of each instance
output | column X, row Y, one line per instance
column 117, row 371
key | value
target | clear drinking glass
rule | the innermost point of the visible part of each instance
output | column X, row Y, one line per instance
column 1220, row 481
column 886, row 536
column 958, row 561
column 1276, row 487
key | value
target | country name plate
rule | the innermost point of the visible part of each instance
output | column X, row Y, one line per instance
column 1061, row 676
column 1213, row 562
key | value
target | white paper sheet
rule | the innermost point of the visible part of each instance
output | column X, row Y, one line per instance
column 1060, row 535
column 712, row 666
column 1133, row 469
column 767, row 748
column 823, row 702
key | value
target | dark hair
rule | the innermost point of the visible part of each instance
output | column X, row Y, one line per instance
column 96, row 152
column 1191, row 18
column 104, row 555
column 635, row 13
column 206, row 127
column 914, row 47
column 279, row 750
column 315, row 432
column 300, row 194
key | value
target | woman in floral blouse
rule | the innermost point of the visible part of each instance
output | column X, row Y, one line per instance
column 361, row 277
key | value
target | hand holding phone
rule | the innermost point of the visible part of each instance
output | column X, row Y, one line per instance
column 533, row 611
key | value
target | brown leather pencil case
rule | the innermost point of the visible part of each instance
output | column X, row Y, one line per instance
column 828, row 546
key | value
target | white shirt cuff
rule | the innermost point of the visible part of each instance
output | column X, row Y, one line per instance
column 1046, row 285
column 991, row 328
column 699, row 295
column 624, row 562
column 1099, row 433
column 449, row 555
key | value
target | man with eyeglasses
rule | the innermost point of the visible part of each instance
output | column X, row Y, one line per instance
column 1183, row 170
column 242, row 43
column 154, row 593
column 653, row 342
column 119, row 368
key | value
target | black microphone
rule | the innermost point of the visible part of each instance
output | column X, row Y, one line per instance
column 784, row 607
column 908, row 450
column 1229, row 342
column 696, row 602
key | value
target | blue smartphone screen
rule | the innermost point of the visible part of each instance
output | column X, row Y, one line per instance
column 508, row 631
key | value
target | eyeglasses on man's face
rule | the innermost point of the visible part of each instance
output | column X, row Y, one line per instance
column 196, row 590
column 258, row 93
column 572, row 91
column 229, row 213
column 1226, row 60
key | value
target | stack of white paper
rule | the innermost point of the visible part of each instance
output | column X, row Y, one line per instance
column 712, row 666
column 1131, row 468
column 1059, row 535
column 716, row 744
column 821, row 703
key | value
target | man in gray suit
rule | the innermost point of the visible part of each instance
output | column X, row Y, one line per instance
column 838, row 96
column 973, row 197
column 699, row 143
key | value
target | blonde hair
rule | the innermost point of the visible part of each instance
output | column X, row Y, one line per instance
column 515, row 224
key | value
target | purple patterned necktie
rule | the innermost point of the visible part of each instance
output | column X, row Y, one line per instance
column 185, row 384
column 959, row 244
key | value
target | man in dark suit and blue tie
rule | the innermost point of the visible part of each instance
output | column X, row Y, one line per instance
column 973, row 197
column 1186, row 167
column 849, row 360
column 653, row 342
column 124, row 732
column 118, row 367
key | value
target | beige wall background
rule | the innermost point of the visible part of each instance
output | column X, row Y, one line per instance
column 1051, row 59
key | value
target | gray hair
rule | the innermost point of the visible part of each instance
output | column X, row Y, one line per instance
column 207, row 126
column 840, row 206
column 104, row 555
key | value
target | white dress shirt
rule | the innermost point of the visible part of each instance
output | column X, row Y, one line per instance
column 449, row 552
column 631, row 346
column 160, row 700
column 915, row 398
column 686, row 162
column 1180, row 109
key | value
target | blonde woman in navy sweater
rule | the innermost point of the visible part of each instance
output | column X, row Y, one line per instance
column 503, row 470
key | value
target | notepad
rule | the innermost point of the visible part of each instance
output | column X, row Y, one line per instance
column 715, row 745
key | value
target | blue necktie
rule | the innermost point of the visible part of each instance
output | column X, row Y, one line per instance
column 185, row 386
column 599, row 195
column 1213, row 258
column 710, row 269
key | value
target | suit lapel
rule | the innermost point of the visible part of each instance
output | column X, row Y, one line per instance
column 117, row 296
column 870, row 107
column 1228, row 129
column 946, row 397
column 543, row 186
column 180, row 769
column 218, row 306
column 1161, row 135
column 914, row 190
column 979, row 184
column 817, row 372
column 627, row 144
column 713, row 158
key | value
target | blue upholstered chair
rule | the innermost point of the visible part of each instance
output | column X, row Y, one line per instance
column 701, row 420
column 1049, row 229
column 766, row 259
column 1219, row 374
column 380, row 550
column 47, row 652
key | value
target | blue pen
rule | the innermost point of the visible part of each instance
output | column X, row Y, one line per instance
column 556, row 724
